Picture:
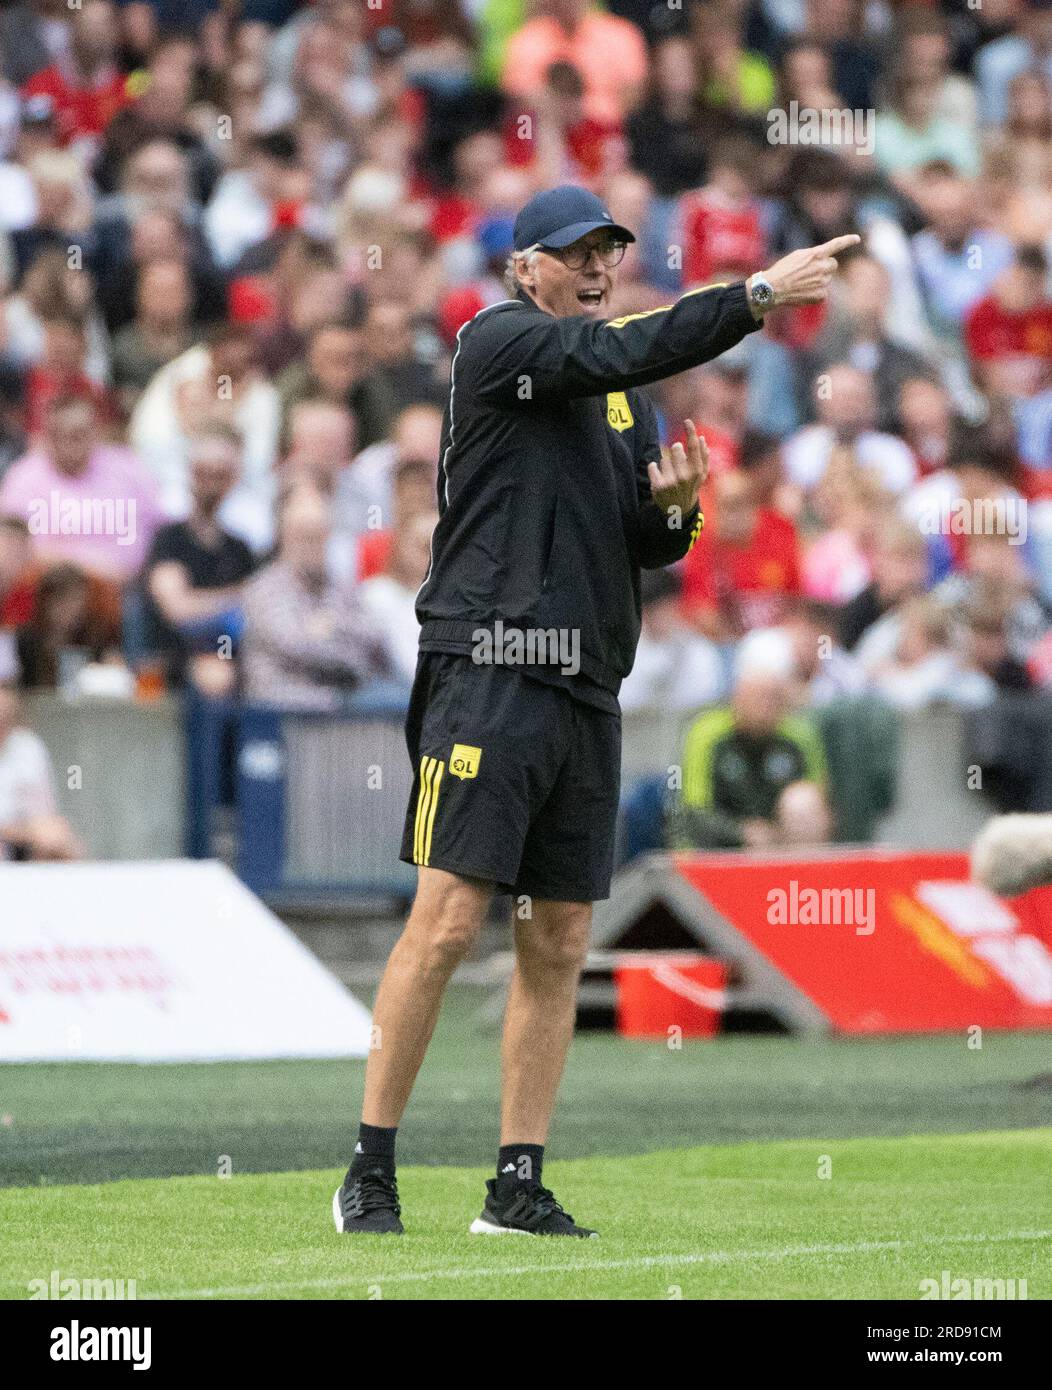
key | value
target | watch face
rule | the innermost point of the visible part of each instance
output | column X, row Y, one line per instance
column 762, row 293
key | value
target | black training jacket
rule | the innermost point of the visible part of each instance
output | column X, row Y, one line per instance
column 545, row 512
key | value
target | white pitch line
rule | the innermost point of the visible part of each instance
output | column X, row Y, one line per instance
column 573, row 1266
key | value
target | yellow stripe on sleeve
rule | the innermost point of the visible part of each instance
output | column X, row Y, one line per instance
column 633, row 318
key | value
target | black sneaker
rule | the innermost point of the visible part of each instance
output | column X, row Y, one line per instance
column 525, row 1211
column 368, row 1202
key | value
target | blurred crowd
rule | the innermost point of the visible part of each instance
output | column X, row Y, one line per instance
column 238, row 239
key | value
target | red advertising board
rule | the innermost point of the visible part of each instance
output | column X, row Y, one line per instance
column 887, row 942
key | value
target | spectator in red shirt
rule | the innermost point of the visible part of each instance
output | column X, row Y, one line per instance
column 1009, row 332
column 744, row 566
column 720, row 223
column 87, row 89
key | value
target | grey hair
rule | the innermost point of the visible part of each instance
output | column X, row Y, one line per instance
column 511, row 280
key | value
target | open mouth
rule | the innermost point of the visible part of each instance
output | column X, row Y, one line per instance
column 591, row 299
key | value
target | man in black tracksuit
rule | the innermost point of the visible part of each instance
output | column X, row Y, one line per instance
column 553, row 493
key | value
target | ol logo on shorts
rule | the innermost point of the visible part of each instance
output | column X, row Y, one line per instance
column 464, row 761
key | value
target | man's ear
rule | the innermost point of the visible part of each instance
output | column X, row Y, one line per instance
column 528, row 277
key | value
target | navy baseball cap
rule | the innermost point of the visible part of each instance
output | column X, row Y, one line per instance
column 561, row 216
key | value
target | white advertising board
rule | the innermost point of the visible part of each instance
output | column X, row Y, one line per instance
column 159, row 962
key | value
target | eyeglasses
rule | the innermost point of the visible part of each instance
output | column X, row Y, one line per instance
column 577, row 256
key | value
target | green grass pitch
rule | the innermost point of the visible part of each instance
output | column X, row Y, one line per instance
column 731, row 1221
column 700, row 1167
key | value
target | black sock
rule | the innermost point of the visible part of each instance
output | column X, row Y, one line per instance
column 375, row 1149
column 519, row 1164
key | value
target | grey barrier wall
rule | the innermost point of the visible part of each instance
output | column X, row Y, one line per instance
column 935, row 808
column 130, row 803
column 119, row 772
column 348, row 781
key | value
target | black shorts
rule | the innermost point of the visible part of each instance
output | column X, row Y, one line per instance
column 516, row 782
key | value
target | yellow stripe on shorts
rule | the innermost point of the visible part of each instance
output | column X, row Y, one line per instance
column 436, row 782
column 422, row 798
column 426, row 805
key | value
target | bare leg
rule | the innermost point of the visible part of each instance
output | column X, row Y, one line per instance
column 444, row 921
column 538, row 1024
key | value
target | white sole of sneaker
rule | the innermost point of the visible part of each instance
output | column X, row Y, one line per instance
column 481, row 1227
column 337, row 1215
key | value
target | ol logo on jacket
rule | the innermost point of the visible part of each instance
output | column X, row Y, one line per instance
column 618, row 415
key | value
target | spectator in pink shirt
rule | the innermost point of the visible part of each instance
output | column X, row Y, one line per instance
column 84, row 501
column 609, row 53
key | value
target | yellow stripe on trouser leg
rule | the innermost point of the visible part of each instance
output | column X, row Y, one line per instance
column 422, row 801
column 436, row 782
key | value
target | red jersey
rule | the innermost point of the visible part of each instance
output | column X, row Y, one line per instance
column 719, row 235
column 44, row 386
column 750, row 580
column 1022, row 340
column 374, row 552
column 590, row 147
column 16, row 606
column 79, row 111
column 452, row 215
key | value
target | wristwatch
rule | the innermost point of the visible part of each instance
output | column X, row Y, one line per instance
column 761, row 294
